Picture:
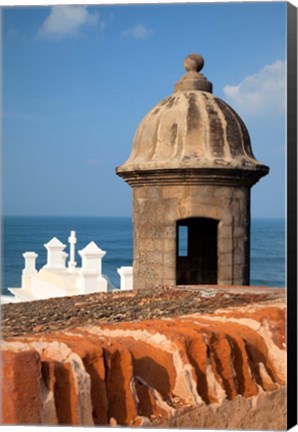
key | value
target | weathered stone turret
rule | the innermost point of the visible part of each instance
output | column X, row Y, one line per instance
column 191, row 169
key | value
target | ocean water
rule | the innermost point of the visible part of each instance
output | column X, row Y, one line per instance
column 114, row 235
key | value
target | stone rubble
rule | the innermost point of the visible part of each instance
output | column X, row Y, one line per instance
column 159, row 302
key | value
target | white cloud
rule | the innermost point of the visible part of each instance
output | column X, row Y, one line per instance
column 263, row 93
column 138, row 31
column 65, row 21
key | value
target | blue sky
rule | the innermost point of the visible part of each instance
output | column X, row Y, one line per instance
column 77, row 81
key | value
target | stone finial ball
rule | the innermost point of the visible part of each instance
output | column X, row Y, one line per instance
column 193, row 62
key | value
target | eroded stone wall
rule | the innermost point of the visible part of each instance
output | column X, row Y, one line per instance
column 193, row 371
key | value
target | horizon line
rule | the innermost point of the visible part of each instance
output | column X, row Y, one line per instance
column 116, row 216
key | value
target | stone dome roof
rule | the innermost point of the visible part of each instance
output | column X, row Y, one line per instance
column 192, row 129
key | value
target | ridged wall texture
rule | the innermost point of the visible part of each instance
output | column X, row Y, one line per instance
column 221, row 370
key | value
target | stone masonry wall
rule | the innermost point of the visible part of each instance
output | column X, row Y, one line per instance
column 221, row 370
column 156, row 210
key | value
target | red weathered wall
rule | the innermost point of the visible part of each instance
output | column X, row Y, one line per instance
column 21, row 392
column 149, row 372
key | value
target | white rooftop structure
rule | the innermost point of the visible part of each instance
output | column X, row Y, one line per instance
column 58, row 279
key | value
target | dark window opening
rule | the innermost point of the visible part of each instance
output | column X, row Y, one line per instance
column 196, row 257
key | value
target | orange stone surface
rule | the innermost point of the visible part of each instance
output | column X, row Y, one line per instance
column 153, row 372
column 21, row 393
